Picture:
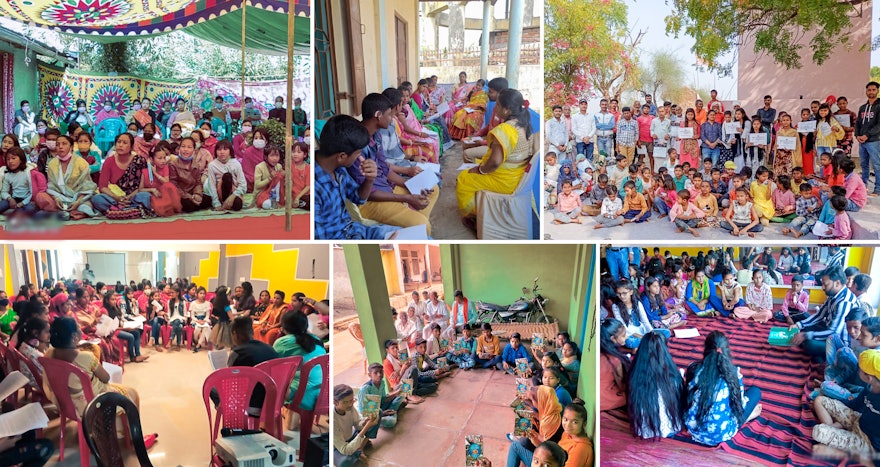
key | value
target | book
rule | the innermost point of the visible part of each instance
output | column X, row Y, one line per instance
column 403, row 356
column 444, row 345
column 538, row 340
column 442, row 364
column 518, row 404
column 523, row 422
column 686, row 333
column 372, row 404
column 473, row 449
column 218, row 359
column 781, row 336
column 457, row 345
column 522, row 386
column 522, row 366
column 406, row 387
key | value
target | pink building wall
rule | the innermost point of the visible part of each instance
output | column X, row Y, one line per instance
column 844, row 73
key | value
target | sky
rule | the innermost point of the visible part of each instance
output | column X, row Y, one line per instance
column 649, row 15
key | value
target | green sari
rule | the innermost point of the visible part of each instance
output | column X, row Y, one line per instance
column 435, row 127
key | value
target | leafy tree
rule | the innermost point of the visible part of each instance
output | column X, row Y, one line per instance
column 776, row 27
column 875, row 73
column 587, row 50
column 661, row 75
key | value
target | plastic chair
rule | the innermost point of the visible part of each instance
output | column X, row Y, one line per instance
column 58, row 373
column 322, row 405
column 32, row 393
column 106, row 133
column 508, row 217
column 99, row 425
column 355, row 330
column 282, row 371
column 8, row 367
column 234, row 387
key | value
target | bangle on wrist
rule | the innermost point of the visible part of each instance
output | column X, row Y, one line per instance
column 480, row 169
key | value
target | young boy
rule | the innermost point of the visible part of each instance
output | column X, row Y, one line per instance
column 853, row 426
column 618, row 172
column 685, row 215
column 806, row 211
column 797, row 177
column 706, row 202
column 795, row 304
column 551, row 173
column 389, row 405
column 825, row 223
column 424, row 363
column 635, row 208
column 568, row 206
column 627, row 133
column 729, row 171
column 593, row 203
column 856, row 192
column 706, row 172
column 342, row 141
column 679, row 177
column 512, row 351
column 464, row 357
column 718, row 188
column 397, row 370
column 632, row 176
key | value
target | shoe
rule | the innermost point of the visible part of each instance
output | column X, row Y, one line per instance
column 140, row 358
column 511, row 438
column 150, row 440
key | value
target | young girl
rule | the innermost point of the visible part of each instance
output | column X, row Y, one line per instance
column 655, row 307
column 157, row 318
column 795, row 304
column 742, row 218
column 842, row 229
column 761, row 191
column 730, row 293
column 91, row 154
column 177, row 316
column 269, row 179
column 611, row 205
column 647, row 181
column 828, row 131
column 754, row 153
column 718, row 403
column 690, row 147
column 16, row 192
column 614, row 365
column 200, row 310
column 226, row 183
column 846, row 142
column 629, row 310
column 700, row 295
column 654, row 391
column 830, row 174
column 164, row 197
column 823, row 228
column 759, row 300
column 785, row 159
column 464, row 357
column 727, row 144
column 783, row 201
column 301, row 174
column 808, row 146
column 349, row 431
column 144, row 145
column 210, row 141
column 685, row 215
column 666, row 196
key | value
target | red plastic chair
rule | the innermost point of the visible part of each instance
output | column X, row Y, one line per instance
column 58, row 373
column 234, row 387
column 322, row 405
column 282, row 371
column 31, row 393
column 145, row 336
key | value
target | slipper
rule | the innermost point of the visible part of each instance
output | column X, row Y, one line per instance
column 415, row 400
column 150, row 440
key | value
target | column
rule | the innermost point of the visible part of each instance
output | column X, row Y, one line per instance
column 367, row 276
column 484, row 40
column 514, row 42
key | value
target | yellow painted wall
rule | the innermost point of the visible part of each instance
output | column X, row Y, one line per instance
column 392, row 272
column 209, row 268
column 279, row 269
column 7, row 272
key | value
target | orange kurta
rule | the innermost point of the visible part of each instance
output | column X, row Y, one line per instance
column 268, row 328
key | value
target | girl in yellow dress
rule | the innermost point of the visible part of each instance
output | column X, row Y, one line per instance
column 504, row 164
column 761, row 190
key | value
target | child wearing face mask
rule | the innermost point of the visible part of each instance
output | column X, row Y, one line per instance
column 253, row 154
column 209, row 141
column 91, row 154
column 241, row 140
column 145, row 144
column 225, row 180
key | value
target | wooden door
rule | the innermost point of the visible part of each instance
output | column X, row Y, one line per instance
column 402, row 48
column 356, row 52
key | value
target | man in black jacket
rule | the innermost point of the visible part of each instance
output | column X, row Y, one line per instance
column 868, row 135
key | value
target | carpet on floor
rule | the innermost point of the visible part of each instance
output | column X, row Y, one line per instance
column 781, row 435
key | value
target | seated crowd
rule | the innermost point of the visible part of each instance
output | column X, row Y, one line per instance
column 365, row 164
column 712, row 167
column 94, row 326
column 201, row 165
column 641, row 303
column 433, row 342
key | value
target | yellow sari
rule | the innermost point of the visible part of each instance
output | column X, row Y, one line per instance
column 515, row 149
column 469, row 119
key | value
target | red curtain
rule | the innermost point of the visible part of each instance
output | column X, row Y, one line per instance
column 7, row 105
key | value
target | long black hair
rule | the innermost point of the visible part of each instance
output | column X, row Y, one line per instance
column 654, row 373
column 29, row 330
column 626, row 313
column 110, row 305
column 655, row 302
column 608, row 348
column 715, row 367
column 512, row 100
column 127, row 301
column 220, row 302
column 295, row 323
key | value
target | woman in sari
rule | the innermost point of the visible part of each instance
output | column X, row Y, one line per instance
column 411, row 128
column 469, row 119
column 87, row 315
column 120, row 180
column 70, row 184
column 297, row 341
column 267, row 327
column 183, row 117
column 414, row 145
column 504, row 163
column 460, row 93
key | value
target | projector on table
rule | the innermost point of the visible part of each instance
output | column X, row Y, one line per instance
column 256, row 450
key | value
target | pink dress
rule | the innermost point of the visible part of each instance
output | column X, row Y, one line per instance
column 415, row 124
column 762, row 299
column 249, row 159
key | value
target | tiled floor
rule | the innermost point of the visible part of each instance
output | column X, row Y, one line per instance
column 433, row 433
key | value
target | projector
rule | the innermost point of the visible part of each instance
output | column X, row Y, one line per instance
column 257, row 450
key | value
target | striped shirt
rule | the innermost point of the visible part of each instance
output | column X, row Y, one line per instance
column 806, row 207
column 831, row 318
column 627, row 131
column 836, row 260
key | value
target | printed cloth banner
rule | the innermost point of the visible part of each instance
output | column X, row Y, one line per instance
column 60, row 89
column 263, row 93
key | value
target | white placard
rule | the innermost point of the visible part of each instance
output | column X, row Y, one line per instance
column 806, row 127
column 730, row 128
column 425, row 180
column 642, row 150
column 786, row 142
column 758, row 138
column 659, row 152
column 686, row 132
column 843, row 119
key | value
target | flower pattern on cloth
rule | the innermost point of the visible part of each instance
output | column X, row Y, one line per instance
column 719, row 424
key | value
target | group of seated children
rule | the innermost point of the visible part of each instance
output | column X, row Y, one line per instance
column 414, row 367
column 741, row 203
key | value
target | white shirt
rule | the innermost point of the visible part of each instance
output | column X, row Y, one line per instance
column 582, row 125
column 420, row 307
column 557, row 133
column 438, row 313
column 660, row 128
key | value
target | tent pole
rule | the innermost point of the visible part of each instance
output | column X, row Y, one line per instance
column 288, row 133
column 243, row 36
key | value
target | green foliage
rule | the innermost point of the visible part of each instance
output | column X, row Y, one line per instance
column 587, row 50
column 778, row 28
column 276, row 132
column 112, row 57
column 661, row 75
column 875, row 73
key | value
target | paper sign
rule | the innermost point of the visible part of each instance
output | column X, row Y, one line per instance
column 806, row 127
column 686, row 333
column 786, row 142
column 416, row 232
column 429, row 167
column 730, row 128
column 758, row 138
column 843, row 119
column 423, row 181
column 685, row 132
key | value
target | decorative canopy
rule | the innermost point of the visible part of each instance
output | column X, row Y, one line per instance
column 121, row 19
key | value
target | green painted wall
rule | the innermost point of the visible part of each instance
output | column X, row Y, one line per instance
column 496, row 273
column 25, row 83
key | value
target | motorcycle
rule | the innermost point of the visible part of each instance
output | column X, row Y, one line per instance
column 525, row 310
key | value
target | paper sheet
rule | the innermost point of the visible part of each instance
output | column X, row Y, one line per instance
column 426, row 180
column 22, row 420
column 317, row 326
column 115, row 372
column 466, row 166
column 758, row 138
column 686, row 132
column 443, row 108
column 429, row 167
column 786, row 142
column 843, row 119
column 806, row 127
column 686, row 333
column 11, row 383
column 218, row 358
column 416, row 232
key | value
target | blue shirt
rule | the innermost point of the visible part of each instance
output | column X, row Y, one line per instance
column 374, row 151
column 719, row 424
column 709, row 133
column 332, row 220
column 510, row 355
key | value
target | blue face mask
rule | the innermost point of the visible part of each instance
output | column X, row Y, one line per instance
column 186, row 159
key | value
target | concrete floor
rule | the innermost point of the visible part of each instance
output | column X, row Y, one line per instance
column 445, row 221
column 470, row 402
column 866, row 226
column 170, row 388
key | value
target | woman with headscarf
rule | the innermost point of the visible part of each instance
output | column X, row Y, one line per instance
column 546, row 425
column 59, row 306
column 567, row 173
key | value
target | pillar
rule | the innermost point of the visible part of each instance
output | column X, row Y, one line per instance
column 514, row 42
column 450, row 270
column 484, row 40
column 430, row 280
column 382, row 34
column 367, row 275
